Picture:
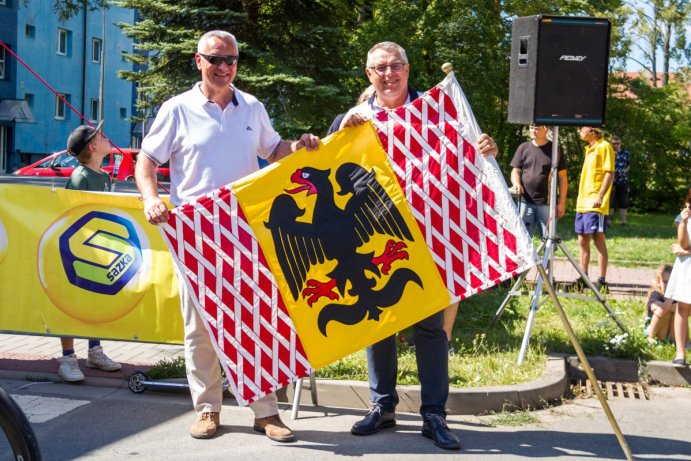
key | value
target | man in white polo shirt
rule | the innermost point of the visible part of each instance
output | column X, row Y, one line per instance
column 212, row 135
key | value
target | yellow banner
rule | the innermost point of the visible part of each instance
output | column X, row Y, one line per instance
column 343, row 245
column 84, row 264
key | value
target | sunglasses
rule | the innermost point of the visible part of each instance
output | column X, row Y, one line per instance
column 217, row 60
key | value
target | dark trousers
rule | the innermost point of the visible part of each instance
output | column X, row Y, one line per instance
column 431, row 353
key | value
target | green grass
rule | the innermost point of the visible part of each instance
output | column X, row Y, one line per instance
column 512, row 418
column 646, row 241
column 167, row 369
column 488, row 356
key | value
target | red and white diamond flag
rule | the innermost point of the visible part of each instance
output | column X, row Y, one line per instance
column 458, row 198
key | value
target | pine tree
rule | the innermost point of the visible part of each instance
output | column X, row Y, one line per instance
column 289, row 54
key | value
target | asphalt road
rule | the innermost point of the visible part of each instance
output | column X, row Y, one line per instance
column 104, row 423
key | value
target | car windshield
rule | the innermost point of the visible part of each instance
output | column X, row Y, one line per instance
column 47, row 163
column 65, row 161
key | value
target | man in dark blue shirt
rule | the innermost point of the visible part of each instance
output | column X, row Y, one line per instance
column 620, row 189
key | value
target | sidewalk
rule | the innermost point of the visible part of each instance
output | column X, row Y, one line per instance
column 624, row 282
column 37, row 355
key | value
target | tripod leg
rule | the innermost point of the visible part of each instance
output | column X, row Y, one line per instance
column 546, row 258
column 592, row 287
column 508, row 297
column 586, row 366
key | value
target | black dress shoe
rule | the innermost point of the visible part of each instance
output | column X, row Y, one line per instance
column 435, row 428
column 376, row 420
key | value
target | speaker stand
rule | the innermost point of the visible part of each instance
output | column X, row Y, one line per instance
column 545, row 268
column 584, row 362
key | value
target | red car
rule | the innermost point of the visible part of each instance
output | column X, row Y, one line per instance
column 62, row 164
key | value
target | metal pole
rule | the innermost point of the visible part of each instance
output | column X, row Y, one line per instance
column 548, row 256
column 586, row 366
column 102, row 80
column 512, row 292
column 536, row 302
column 552, row 224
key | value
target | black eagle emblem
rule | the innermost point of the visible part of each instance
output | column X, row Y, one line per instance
column 336, row 234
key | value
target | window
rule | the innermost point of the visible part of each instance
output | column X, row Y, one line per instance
column 95, row 50
column 29, row 97
column 123, row 113
column 30, row 31
column 64, row 41
column 93, row 112
column 61, row 106
column 2, row 63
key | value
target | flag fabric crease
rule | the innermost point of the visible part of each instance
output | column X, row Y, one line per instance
column 326, row 252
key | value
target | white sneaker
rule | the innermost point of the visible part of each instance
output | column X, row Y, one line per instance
column 69, row 369
column 97, row 359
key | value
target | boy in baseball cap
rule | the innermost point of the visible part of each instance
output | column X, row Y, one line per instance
column 90, row 147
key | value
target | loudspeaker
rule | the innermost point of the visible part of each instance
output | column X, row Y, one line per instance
column 559, row 70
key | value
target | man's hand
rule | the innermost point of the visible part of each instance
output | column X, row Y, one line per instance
column 308, row 141
column 685, row 214
column 517, row 189
column 155, row 210
column 487, row 145
column 561, row 209
column 354, row 119
column 597, row 202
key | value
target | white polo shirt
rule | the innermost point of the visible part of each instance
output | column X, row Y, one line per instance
column 208, row 147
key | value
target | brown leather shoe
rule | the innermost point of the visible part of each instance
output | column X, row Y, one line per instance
column 206, row 425
column 274, row 429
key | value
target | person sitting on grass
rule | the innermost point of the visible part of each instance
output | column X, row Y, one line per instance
column 658, row 309
column 90, row 147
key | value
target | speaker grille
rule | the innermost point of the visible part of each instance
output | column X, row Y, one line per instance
column 563, row 78
column 572, row 72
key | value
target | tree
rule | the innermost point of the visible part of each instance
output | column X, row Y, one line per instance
column 655, row 126
column 284, row 53
column 475, row 36
column 68, row 8
column 674, row 17
column 661, row 26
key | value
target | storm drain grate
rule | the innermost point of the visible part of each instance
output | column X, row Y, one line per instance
column 584, row 389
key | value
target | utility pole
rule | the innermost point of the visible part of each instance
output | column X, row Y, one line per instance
column 101, row 84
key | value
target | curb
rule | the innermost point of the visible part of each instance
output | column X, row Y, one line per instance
column 355, row 394
column 462, row 401
column 552, row 386
column 666, row 373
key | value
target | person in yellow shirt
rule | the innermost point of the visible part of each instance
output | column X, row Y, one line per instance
column 592, row 205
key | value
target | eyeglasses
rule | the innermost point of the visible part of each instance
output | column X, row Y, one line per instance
column 217, row 60
column 395, row 68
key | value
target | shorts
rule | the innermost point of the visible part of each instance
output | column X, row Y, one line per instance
column 590, row 222
column 620, row 196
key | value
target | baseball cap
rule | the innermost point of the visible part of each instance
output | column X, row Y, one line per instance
column 80, row 137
